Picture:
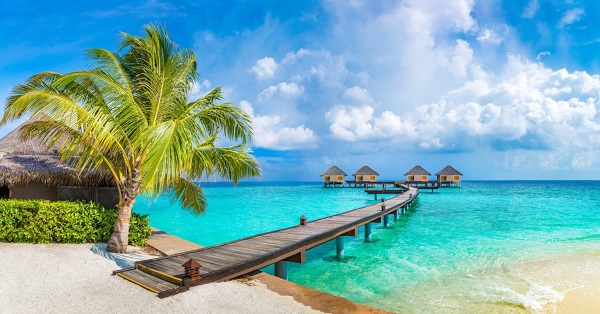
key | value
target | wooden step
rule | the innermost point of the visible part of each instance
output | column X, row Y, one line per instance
column 149, row 282
column 162, row 273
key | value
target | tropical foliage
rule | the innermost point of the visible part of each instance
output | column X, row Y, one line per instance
column 130, row 116
column 42, row 221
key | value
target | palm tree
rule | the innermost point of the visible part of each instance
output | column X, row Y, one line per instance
column 130, row 116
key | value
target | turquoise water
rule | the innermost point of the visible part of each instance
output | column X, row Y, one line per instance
column 467, row 249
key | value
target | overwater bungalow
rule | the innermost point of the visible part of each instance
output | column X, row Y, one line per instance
column 449, row 177
column 334, row 176
column 365, row 174
column 29, row 171
column 417, row 174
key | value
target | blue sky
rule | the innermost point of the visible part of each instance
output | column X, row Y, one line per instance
column 498, row 89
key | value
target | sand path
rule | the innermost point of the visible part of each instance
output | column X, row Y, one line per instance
column 76, row 278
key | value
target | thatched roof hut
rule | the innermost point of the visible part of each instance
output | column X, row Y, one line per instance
column 448, row 171
column 365, row 171
column 417, row 171
column 334, row 175
column 334, row 171
column 26, row 161
column 449, row 176
column 365, row 174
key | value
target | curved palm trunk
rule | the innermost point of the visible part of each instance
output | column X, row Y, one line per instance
column 120, row 236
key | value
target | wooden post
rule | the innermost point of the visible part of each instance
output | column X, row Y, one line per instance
column 404, row 208
column 386, row 221
column 396, row 215
column 368, row 232
column 281, row 270
column 303, row 220
column 339, row 241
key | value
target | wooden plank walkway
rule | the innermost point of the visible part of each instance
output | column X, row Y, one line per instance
column 165, row 275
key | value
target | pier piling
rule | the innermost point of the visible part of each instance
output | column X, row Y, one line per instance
column 339, row 241
column 386, row 221
column 281, row 270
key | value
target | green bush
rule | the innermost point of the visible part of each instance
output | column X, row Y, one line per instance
column 41, row 221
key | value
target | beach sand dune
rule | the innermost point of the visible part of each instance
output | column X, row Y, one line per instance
column 76, row 278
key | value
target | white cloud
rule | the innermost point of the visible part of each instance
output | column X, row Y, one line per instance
column 292, row 57
column 527, row 107
column 199, row 90
column 357, row 95
column 542, row 55
column 405, row 45
column 460, row 61
column 305, row 65
column 489, row 36
column 571, row 17
column 265, row 68
column 269, row 132
column 283, row 89
column 357, row 123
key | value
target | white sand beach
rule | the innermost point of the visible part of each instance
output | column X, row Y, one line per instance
column 76, row 278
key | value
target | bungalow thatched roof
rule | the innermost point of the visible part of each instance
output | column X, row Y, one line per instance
column 334, row 171
column 448, row 171
column 365, row 171
column 417, row 171
column 25, row 161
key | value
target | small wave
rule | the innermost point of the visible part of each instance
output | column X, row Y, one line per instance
column 536, row 297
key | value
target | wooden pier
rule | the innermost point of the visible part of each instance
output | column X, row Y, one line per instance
column 359, row 184
column 176, row 273
column 386, row 187
column 424, row 185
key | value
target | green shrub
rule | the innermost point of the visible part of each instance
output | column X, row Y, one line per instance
column 41, row 221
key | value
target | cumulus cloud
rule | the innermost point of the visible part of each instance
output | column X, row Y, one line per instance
column 528, row 107
column 271, row 133
column 358, row 95
column 283, row 89
column 357, row 123
column 264, row 68
column 571, row 17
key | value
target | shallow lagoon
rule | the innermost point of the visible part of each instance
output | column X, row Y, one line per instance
column 470, row 249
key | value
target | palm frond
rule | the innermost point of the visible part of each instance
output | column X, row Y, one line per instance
column 229, row 163
column 189, row 195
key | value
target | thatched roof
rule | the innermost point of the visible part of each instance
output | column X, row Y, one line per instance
column 365, row 171
column 12, row 144
column 334, row 171
column 448, row 171
column 22, row 162
column 417, row 171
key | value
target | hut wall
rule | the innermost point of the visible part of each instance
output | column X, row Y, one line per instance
column 417, row 178
column 449, row 178
column 107, row 197
column 366, row 178
column 35, row 190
